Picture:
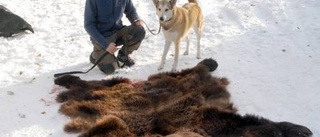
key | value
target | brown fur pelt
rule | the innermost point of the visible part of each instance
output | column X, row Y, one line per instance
column 189, row 103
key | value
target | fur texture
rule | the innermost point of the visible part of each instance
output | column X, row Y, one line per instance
column 189, row 103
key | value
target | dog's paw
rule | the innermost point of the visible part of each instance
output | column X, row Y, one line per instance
column 160, row 67
column 186, row 53
column 173, row 70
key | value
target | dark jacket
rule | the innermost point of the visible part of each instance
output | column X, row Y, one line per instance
column 103, row 17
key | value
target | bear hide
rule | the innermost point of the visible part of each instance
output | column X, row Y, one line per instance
column 189, row 103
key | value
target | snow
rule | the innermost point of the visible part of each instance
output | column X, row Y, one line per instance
column 268, row 49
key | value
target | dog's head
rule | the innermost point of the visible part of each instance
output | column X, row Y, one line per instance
column 164, row 9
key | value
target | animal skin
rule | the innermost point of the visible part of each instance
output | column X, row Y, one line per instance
column 189, row 103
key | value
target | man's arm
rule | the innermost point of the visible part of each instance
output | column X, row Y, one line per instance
column 90, row 23
column 131, row 12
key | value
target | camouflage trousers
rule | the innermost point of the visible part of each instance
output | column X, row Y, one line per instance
column 129, row 37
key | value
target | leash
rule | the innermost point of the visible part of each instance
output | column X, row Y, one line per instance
column 82, row 72
column 104, row 55
column 94, row 65
column 151, row 31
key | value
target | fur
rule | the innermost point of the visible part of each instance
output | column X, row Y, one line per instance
column 189, row 103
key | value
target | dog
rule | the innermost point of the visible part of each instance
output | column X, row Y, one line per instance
column 176, row 23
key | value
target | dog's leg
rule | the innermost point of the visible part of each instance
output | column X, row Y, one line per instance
column 164, row 54
column 187, row 48
column 176, row 55
column 198, row 34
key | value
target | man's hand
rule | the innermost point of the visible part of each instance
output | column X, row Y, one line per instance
column 111, row 48
column 138, row 22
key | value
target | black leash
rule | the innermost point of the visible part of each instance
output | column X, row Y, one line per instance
column 100, row 58
column 94, row 65
column 82, row 72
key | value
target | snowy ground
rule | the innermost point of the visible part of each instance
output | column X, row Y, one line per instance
column 268, row 49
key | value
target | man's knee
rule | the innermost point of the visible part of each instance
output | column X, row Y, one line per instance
column 139, row 33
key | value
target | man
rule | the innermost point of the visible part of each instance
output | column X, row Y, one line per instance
column 102, row 21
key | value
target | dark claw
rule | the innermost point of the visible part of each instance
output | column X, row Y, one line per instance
column 210, row 63
column 293, row 130
column 67, row 80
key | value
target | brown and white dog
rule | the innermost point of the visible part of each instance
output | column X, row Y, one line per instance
column 176, row 23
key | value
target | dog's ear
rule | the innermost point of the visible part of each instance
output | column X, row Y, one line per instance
column 155, row 2
column 172, row 3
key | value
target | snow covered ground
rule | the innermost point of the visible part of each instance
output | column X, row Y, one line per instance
column 268, row 49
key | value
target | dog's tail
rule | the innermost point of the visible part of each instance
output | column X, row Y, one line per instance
column 193, row 1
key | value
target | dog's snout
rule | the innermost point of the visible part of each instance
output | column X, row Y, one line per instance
column 161, row 18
